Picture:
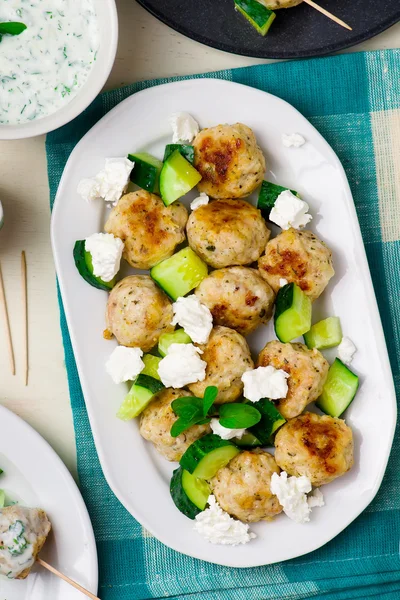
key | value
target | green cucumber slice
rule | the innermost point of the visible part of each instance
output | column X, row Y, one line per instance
column 197, row 490
column 189, row 494
column 180, row 273
column 83, row 262
column 186, row 150
column 177, row 178
column 139, row 396
column 324, row 334
column 259, row 16
column 176, row 337
column 151, row 363
column 268, row 195
column 248, row 440
column 207, row 455
column 146, row 171
column 2, row 498
column 292, row 313
column 339, row 390
column 271, row 420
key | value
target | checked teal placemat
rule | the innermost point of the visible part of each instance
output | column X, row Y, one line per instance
column 354, row 101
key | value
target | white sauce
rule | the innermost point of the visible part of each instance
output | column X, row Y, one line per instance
column 44, row 67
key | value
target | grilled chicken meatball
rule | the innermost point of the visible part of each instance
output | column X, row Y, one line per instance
column 320, row 447
column 227, row 232
column 23, row 532
column 276, row 4
column 307, row 371
column 150, row 230
column 227, row 355
column 242, row 488
column 237, row 297
column 301, row 258
column 157, row 419
column 138, row 312
column 229, row 160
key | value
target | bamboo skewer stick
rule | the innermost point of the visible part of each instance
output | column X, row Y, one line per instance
column 3, row 304
column 67, row 579
column 25, row 315
column 328, row 14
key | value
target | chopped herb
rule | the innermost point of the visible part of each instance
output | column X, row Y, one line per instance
column 11, row 28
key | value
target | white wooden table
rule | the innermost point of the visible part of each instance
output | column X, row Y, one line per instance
column 147, row 49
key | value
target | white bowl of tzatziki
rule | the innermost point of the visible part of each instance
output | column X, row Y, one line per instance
column 51, row 71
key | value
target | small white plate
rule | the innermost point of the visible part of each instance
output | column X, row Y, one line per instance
column 35, row 476
column 136, row 474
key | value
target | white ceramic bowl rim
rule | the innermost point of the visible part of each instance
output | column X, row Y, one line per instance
column 108, row 24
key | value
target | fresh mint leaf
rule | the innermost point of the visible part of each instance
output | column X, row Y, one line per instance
column 181, row 425
column 210, row 394
column 182, row 406
column 238, row 416
column 12, row 28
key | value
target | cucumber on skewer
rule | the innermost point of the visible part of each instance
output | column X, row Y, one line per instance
column 292, row 313
column 260, row 17
column 339, row 390
column 146, row 171
column 324, row 334
column 180, row 273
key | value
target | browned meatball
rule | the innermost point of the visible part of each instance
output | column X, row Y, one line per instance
column 301, row 258
column 242, row 488
column 227, row 232
column 276, row 4
column 229, row 160
column 20, row 525
column 320, row 447
column 150, row 230
column 307, row 371
column 138, row 312
column 227, row 355
column 237, row 297
column 156, row 422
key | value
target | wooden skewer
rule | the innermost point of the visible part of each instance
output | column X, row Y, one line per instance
column 3, row 304
column 67, row 579
column 328, row 14
column 25, row 314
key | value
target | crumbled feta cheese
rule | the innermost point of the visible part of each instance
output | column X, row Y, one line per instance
column 283, row 282
column 292, row 140
column 202, row 200
column 217, row 527
column 181, row 366
column 224, row 432
column 106, row 251
column 195, row 318
column 184, row 127
column 289, row 211
column 346, row 350
column 109, row 184
column 292, row 495
column 316, row 499
column 265, row 382
column 124, row 364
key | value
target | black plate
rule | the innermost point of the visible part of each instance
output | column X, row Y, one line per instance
column 297, row 32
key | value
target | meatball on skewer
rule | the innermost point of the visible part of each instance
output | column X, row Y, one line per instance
column 227, row 232
column 23, row 532
column 157, row 419
column 229, row 160
column 238, row 297
column 138, row 312
column 242, row 488
column 301, row 258
column 227, row 355
column 320, row 447
column 150, row 230
column 307, row 371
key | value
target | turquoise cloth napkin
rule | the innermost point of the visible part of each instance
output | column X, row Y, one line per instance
column 354, row 101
